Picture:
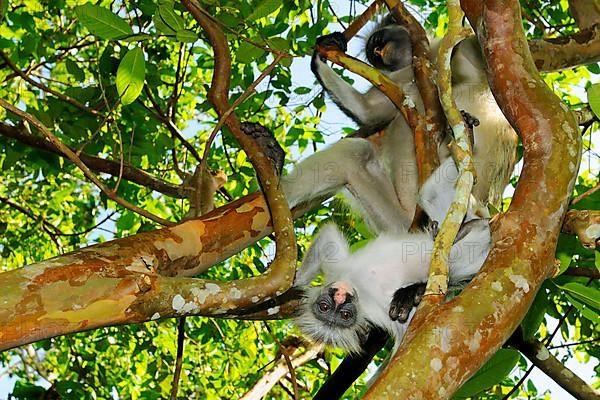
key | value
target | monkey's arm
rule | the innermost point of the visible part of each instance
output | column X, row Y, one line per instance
column 369, row 108
column 353, row 164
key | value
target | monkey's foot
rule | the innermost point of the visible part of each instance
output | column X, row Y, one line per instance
column 405, row 300
column 433, row 227
column 333, row 40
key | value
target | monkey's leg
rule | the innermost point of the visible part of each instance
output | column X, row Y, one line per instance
column 353, row 164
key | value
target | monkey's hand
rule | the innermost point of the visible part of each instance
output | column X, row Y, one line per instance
column 470, row 119
column 405, row 300
column 334, row 40
column 471, row 122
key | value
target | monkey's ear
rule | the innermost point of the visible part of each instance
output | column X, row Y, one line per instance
column 328, row 250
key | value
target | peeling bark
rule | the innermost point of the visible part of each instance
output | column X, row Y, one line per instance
column 134, row 279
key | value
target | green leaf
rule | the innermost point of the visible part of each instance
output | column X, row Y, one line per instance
column 534, row 317
column 73, row 69
column 130, row 75
column 593, row 93
column 588, row 312
column 594, row 68
column 186, row 36
column 264, row 8
column 248, row 52
column 170, row 18
column 137, row 38
column 102, row 22
column 565, row 250
column 492, row 373
column 278, row 43
column 587, row 295
column 302, row 90
column 161, row 27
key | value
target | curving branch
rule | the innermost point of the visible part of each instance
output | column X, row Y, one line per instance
column 437, row 283
column 378, row 79
column 279, row 277
column 431, row 126
column 360, row 21
column 465, row 332
column 140, row 278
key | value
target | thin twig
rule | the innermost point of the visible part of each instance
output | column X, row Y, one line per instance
column 97, row 164
column 247, row 93
column 288, row 361
column 179, row 359
column 45, row 88
column 161, row 116
column 84, row 168
column 585, row 194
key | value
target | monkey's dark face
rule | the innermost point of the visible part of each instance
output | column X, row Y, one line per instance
column 335, row 306
column 332, row 315
column 389, row 48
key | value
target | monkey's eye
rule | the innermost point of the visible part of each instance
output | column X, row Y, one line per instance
column 346, row 315
column 323, row 306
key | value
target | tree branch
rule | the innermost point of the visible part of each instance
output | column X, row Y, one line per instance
column 466, row 331
column 431, row 126
column 129, row 172
column 279, row 277
column 572, row 51
column 45, row 88
column 77, row 161
column 585, row 12
column 540, row 356
column 270, row 379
